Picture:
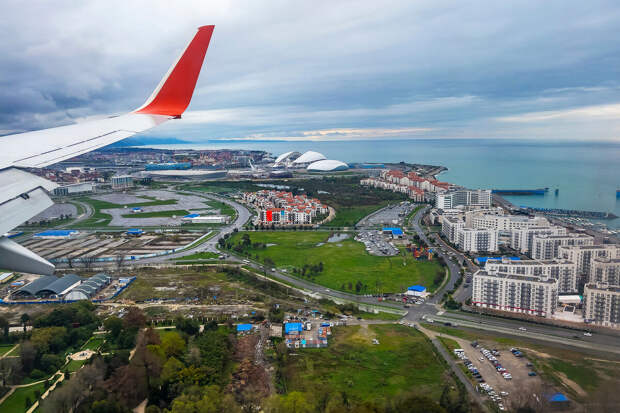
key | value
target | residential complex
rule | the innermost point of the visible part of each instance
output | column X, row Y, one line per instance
column 563, row 271
column 526, row 294
column 447, row 200
column 477, row 240
column 582, row 255
column 522, row 239
column 606, row 271
column 506, row 222
column 601, row 304
column 416, row 187
column 283, row 208
column 546, row 246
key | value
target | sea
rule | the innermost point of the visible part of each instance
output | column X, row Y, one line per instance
column 586, row 174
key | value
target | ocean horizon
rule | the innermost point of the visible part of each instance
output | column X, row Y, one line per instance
column 586, row 174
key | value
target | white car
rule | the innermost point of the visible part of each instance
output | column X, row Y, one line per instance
column 522, row 328
column 504, row 393
column 587, row 334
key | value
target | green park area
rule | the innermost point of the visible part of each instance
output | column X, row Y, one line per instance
column 348, row 216
column 22, row 397
column 343, row 265
column 402, row 364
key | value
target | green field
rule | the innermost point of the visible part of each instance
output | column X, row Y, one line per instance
column 345, row 263
column 412, row 214
column 5, row 348
column 74, row 365
column 93, row 344
column 206, row 255
column 157, row 214
column 101, row 219
column 449, row 344
column 402, row 362
column 16, row 402
column 224, row 208
column 349, row 216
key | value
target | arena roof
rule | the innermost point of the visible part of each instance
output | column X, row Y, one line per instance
column 327, row 165
column 49, row 285
column 36, row 285
column 286, row 156
column 309, row 157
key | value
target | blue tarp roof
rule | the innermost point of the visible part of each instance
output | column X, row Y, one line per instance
column 291, row 327
column 134, row 231
column 191, row 215
column 558, row 397
column 56, row 233
column 419, row 288
column 485, row 259
column 244, row 327
column 395, row 231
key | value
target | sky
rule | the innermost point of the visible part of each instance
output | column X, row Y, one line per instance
column 322, row 70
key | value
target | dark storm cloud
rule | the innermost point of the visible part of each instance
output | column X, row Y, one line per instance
column 289, row 69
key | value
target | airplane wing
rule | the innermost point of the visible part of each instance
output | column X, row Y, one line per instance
column 24, row 195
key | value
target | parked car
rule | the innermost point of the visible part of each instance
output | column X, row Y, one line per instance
column 531, row 373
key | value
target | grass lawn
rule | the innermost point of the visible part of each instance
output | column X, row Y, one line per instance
column 157, row 214
column 449, row 344
column 379, row 316
column 16, row 402
column 74, row 365
column 224, row 208
column 412, row 214
column 200, row 256
column 344, row 262
column 101, row 219
column 402, row 362
column 93, row 344
column 349, row 216
column 5, row 348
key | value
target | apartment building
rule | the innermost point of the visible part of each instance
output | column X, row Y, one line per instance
column 450, row 226
column 506, row 222
column 451, row 199
column 522, row 239
column 546, row 246
column 605, row 271
column 563, row 271
column 582, row 255
column 601, row 304
column 477, row 240
column 515, row 293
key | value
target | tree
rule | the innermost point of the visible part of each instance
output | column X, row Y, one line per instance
column 134, row 318
column 25, row 318
column 27, row 355
column 114, row 326
column 173, row 345
column 4, row 326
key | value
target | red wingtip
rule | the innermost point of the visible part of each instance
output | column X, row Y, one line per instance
column 174, row 93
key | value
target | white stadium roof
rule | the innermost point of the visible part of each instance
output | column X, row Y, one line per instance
column 326, row 165
column 286, row 156
column 309, row 157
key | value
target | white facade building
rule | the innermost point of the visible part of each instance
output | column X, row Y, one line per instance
column 563, row 271
column 602, row 305
column 451, row 199
column 121, row 182
column 450, row 226
column 74, row 189
column 477, row 240
column 605, row 271
column 522, row 239
column 506, row 222
column 515, row 293
column 583, row 255
column 545, row 246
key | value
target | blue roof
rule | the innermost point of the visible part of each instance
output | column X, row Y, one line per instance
column 56, row 233
column 419, row 288
column 136, row 208
column 134, row 231
column 244, row 327
column 290, row 327
column 191, row 215
column 395, row 231
column 558, row 397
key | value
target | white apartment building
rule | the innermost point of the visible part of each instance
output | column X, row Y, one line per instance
column 506, row 222
column 483, row 211
column 582, row 255
column 601, row 305
column 451, row 199
column 477, row 240
column 515, row 293
column 450, row 226
column 563, row 271
column 605, row 271
column 545, row 246
column 522, row 239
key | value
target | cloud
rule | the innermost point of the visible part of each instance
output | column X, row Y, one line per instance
column 274, row 68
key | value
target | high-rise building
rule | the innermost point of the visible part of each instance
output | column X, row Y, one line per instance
column 450, row 226
column 545, row 246
column 477, row 240
column 563, row 271
column 506, row 222
column 521, row 239
column 601, row 305
column 450, row 199
column 524, row 294
column 606, row 271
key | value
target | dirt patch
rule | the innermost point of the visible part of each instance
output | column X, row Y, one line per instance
column 571, row 384
column 364, row 334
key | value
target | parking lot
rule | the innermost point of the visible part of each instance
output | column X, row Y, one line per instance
column 501, row 376
column 391, row 215
column 377, row 243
